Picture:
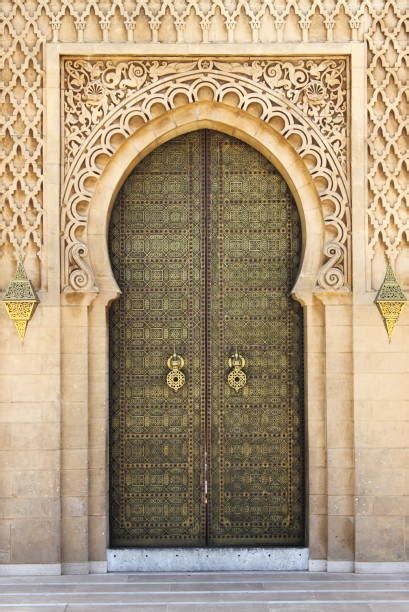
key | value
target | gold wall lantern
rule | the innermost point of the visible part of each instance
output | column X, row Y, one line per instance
column 390, row 300
column 20, row 300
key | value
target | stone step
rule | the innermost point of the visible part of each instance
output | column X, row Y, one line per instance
column 238, row 591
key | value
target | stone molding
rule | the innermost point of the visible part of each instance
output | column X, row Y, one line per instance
column 107, row 100
column 52, row 569
column 381, row 567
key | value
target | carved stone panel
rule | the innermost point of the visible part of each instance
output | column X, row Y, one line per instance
column 305, row 99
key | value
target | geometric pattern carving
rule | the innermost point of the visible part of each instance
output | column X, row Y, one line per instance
column 390, row 300
column 27, row 25
column 105, row 101
column 205, row 244
column 388, row 206
column 21, row 82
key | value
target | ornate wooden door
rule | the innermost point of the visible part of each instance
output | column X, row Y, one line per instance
column 205, row 245
column 157, row 246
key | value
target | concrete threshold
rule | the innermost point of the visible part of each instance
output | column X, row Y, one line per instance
column 206, row 559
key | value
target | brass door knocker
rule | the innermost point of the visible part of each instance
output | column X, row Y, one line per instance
column 236, row 379
column 175, row 378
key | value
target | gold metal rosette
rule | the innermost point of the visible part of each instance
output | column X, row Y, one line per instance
column 175, row 378
column 236, row 379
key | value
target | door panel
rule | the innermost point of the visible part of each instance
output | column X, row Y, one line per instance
column 205, row 243
column 255, row 448
column 156, row 243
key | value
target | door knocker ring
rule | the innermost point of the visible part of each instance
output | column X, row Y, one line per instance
column 236, row 379
column 175, row 378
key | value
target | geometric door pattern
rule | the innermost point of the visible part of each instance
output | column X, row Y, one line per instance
column 256, row 487
column 205, row 243
column 156, row 242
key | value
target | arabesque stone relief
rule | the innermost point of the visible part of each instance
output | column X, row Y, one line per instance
column 106, row 100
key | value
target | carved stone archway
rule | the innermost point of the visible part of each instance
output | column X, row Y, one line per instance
column 116, row 112
column 108, row 102
column 231, row 121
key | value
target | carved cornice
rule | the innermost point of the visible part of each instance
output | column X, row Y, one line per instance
column 305, row 99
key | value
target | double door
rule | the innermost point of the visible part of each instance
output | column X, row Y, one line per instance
column 206, row 357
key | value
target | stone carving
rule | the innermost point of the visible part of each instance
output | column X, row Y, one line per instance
column 105, row 99
column 21, row 82
column 26, row 25
column 195, row 20
column 387, row 142
column 95, row 87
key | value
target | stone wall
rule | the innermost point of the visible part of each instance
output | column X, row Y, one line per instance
column 53, row 392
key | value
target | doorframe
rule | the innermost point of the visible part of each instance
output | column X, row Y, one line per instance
column 260, row 136
column 84, row 313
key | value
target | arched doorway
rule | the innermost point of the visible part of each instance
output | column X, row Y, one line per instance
column 205, row 243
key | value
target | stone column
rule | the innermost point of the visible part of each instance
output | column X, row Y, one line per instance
column 98, row 523
column 75, row 433
column 339, row 430
column 315, row 455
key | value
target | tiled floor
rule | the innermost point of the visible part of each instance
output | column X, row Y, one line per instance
column 255, row 591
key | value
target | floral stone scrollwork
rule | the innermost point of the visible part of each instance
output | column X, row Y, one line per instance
column 306, row 100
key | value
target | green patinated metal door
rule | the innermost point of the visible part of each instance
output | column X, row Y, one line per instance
column 205, row 246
